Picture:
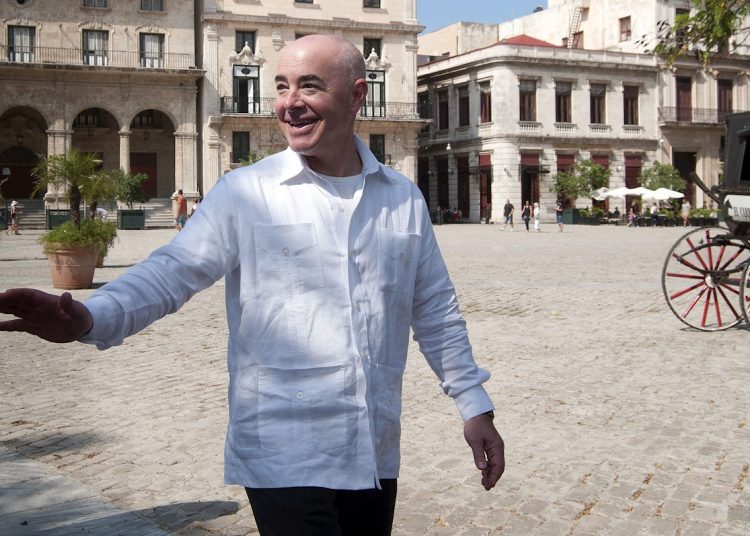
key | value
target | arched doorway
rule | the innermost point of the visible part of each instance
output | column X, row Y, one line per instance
column 22, row 138
column 152, row 151
column 95, row 130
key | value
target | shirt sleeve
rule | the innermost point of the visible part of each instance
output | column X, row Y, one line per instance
column 440, row 330
column 197, row 257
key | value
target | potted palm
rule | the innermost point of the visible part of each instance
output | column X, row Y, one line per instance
column 130, row 191
column 74, row 246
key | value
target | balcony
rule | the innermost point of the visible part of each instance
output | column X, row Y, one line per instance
column 99, row 58
column 671, row 114
column 245, row 105
column 390, row 111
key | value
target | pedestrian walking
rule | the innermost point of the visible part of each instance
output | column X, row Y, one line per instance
column 507, row 214
column 526, row 214
column 685, row 212
column 182, row 212
column 315, row 360
column 537, row 216
column 559, row 215
column 13, row 228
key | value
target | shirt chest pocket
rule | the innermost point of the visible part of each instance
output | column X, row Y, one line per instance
column 398, row 254
column 287, row 259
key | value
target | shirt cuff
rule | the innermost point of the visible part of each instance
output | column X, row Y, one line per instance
column 102, row 333
column 473, row 402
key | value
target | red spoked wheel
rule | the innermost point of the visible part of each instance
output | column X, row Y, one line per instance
column 745, row 293
column 702, row 279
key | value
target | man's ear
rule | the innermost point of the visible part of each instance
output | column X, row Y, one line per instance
column 359, row 93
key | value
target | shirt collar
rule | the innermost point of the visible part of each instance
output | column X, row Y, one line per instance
column 295, row 165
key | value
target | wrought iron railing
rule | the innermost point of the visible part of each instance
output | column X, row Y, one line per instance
column 265, row 106
column 245, row 105
column 102, row 58
column 672, row 114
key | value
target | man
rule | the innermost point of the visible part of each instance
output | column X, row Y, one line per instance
column 508, row 214
column 181, row 211
column 329, row 258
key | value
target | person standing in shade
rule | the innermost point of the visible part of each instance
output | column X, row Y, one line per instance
column 13, row 228
column 508, row 214
column 559, row 215
column 329, row 260
column 526, row 214
column 537, row 216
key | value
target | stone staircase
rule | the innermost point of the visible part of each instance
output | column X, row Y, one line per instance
column 32, row 213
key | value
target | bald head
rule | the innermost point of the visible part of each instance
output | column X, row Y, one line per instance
column 341, row 53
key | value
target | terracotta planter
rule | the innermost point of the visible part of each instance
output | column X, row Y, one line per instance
column 73, row 268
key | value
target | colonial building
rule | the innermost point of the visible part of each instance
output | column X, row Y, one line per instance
column 113, row 77
column 240, row 48
column 562, row 84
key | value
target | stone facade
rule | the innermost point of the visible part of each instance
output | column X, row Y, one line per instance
column 241, row 45
column 116, row 78
column 679, row 118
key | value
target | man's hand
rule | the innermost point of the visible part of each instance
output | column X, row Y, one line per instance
column 488, row 449
column 51, row 317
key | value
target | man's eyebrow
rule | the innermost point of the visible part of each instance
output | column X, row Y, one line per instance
column 303, row 78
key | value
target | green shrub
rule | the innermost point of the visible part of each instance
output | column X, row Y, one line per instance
column 97, row 233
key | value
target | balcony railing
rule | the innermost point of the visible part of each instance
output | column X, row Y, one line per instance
column 265, row 106
column 245, row 105
column 102, row 58
column 671, row 114
column 390, row 110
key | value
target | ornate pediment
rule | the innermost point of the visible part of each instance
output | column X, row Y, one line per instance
column 374, row 63
column 247, row 57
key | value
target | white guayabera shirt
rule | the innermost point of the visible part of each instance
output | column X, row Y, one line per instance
column 318, row 326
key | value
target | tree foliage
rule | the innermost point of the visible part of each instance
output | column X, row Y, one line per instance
column 581, row 179
column 712, row 28
column 662, row 176
column 130, row 187
column 79, row 174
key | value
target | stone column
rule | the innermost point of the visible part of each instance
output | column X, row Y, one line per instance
column 186, row 176
column 125, row 150
column 59, row 141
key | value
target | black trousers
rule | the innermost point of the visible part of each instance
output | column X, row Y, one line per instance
column 310, row 511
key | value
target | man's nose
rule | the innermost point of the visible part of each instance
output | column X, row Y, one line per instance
column 292, row 99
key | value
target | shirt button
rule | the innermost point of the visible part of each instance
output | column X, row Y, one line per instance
column 285, row 252
column 401, row 257
column 300, row 395
column 357, row 307
column 341, row 209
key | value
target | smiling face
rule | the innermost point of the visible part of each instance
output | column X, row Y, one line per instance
column 319, row 91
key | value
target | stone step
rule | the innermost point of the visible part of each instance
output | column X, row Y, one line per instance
column 159, row 214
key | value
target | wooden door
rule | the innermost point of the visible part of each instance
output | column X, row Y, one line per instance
column 145, row 163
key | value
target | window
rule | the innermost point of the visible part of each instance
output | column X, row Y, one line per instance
column 95, row 3
column 680, row 32
column 152, row 50
column 152, row 5
column 625, row 31
column 527, row 100
column 375, row 102
column 684, row 98
column 371, row 3
column 485, row 103
column 563, row 91
column 724, row 104
column 241, row 38
column 94, row 47
column 443, row 122
column 240, row 146
column 246, row 82
column 377, row 146
column 463, row 106
column 146, row 119
column 21, row 43
column 597, row 98
column 369, row 45
column 630, row 105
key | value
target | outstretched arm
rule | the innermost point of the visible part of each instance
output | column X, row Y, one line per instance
column 51, row 317
column 488, row 448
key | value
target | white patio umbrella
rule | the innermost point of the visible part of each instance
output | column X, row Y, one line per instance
column 600, row 194
column 663, row 194
column 618, row 193
column 641, row 191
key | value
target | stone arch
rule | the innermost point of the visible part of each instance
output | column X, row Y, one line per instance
column 23, row 139
column 96, row 130
column 152, row 150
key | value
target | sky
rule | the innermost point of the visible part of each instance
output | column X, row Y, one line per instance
column 435, row 14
